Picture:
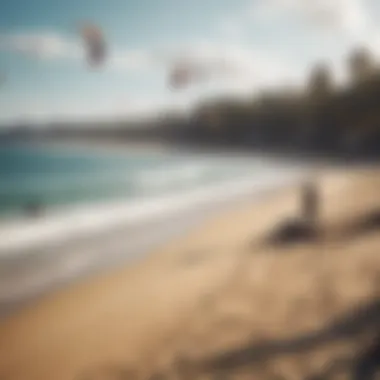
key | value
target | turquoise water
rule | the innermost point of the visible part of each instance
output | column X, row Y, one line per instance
column 59, row 178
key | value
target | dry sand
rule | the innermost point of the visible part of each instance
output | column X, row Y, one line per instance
column 218, row 299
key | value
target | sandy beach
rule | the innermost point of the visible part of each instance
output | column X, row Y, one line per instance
column 220, row 298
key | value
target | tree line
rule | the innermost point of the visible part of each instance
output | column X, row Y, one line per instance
column 321, row 117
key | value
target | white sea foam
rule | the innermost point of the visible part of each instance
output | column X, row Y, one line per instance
column 170, row 177
column 23, row 235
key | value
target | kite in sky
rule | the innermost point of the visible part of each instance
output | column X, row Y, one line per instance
column 185, row 73
column 95, row 44
column 182, row 75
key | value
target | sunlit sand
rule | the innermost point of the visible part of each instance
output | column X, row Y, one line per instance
column 219, row 289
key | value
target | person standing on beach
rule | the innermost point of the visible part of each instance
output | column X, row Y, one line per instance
column 310, row 203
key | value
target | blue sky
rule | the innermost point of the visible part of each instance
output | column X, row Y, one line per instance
column 266, row 42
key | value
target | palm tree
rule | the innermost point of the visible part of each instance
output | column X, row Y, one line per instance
column 319, row 91
column 321, row 82
column 361, row 64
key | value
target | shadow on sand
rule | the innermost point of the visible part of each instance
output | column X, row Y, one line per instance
column 361, row 321
column 298, row 230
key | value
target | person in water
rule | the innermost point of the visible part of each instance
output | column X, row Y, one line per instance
column 33, row 208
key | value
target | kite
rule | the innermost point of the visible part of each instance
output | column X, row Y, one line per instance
column 95, row 44
column 183, row 74
column 180, row 77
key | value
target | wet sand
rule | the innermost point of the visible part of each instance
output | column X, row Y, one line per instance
column 40, row 256
column 211, row 293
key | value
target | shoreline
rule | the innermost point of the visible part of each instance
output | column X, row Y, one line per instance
column 139, row 318
column 61, row 259
column 22, row 233
column 60, row 247
column 124, row 147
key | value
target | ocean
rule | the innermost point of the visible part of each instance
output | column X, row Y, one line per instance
column 61, row 178
column 107, row 208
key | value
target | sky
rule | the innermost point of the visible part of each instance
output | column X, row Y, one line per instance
column 264, row 43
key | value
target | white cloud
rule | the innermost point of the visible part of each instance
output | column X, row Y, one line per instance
column 339, row 25
column 231, row 62
column 49, row 45
column 40, row 45
column 234, row 68
column 349, row 18
column 130, row 60
column 218, row 60
column 230, row 27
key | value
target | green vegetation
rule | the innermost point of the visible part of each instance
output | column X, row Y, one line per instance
column 321, row 116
